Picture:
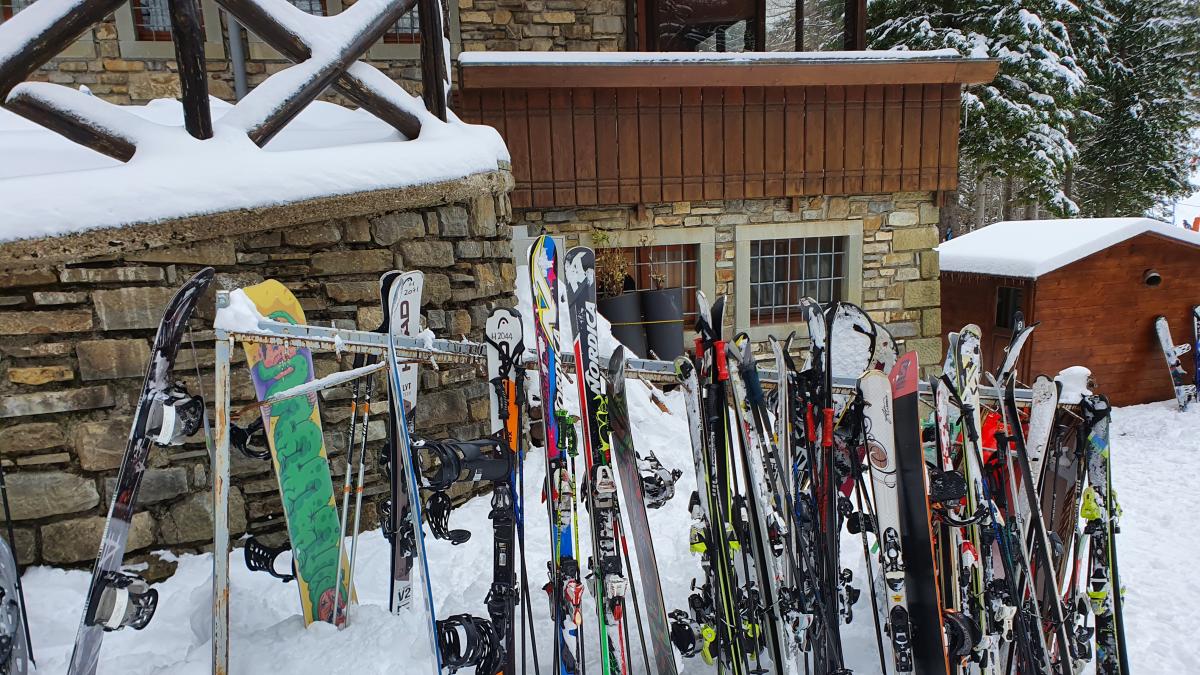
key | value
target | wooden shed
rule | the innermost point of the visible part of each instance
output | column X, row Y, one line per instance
column 1094, row 285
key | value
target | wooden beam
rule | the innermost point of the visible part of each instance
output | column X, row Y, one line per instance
column 293, row 48
column 188, row 33
column 433, row 58
column 542, row 72
column 50, row 35
column 69, row 123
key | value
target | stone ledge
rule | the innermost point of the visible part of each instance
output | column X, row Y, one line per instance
column 148, row 235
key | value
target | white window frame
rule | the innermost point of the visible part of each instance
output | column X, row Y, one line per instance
column 133, row 48
column 852, row 230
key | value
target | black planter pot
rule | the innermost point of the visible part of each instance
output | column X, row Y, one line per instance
column 662, row 314
column 624, row 312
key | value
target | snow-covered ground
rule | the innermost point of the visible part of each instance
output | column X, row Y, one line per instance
column 1156, row 451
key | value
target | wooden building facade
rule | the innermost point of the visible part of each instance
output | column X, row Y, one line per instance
column 1094, row 293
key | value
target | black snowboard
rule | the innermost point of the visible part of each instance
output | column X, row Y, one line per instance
column 86, row 656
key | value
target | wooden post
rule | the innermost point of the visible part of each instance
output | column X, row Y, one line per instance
column 188, row 34
column 799, row 26
column 70, row 21
column 760, row 25
column 854, row 28
column 291, row 46
column 433, row 61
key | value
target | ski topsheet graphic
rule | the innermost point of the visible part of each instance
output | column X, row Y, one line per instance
column 165, row 414
column 1185, row 392
column 293, row 429
column 406, row 288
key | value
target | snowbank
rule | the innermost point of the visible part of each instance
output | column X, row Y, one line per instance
column 51, row 186
column 1031, row 248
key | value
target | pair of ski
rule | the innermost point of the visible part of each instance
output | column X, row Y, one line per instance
column 1185, row 392
column 607, row 441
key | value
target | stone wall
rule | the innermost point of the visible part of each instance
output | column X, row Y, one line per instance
column 542, row 25
column 99, row 63
column 75, row 337
column 900, row 272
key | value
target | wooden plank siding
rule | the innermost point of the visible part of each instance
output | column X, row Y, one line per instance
column 1097, row 312
column 584, row 146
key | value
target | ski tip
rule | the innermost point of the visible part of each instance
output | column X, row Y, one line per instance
column 905, row 374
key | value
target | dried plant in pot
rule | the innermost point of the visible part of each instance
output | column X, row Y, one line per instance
column 662, row 314
column 617, row 302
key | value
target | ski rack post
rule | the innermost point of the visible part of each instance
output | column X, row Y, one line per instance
column 317, row 339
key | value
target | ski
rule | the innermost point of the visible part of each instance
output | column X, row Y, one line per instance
column 504, row 336
column 165, row 414
column 564, row 586
column 1101, row 512
column 924, row 596
column 1185, row 392
column 625, row 456
column 404, row 460
column 876, row 393
column 406, row 289
column 609, row 583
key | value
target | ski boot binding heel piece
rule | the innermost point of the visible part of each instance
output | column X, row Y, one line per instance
column 119, row 600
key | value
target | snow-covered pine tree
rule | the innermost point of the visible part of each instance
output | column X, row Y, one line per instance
column 1143, row 100
column 1016, row 127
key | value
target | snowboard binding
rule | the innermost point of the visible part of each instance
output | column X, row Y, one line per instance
column 658, row 482
column 118, row 600
column 453, row 461
column 10, row 628
column 261, row 558
column 437, row 515
column 180, row 415
column 250, row 440
column 469, row 641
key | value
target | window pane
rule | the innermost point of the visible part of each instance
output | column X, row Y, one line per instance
column 794, row 268
column 674, row 265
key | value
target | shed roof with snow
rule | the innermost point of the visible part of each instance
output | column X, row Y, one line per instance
column 1031, row 248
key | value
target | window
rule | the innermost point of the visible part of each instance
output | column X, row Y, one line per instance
column 151, row 20
column 314, row 7
column 10, row 7
column 674, row 265
column 144, row 30
column 784, row 270
column 1008, row 301
column 406, row 31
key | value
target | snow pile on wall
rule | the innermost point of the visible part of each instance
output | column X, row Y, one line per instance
column 51, row 186
column 1031, row 248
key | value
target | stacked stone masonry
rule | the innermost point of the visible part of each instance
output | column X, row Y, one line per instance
column 900, row 272
column 75, row 338
column 101, row 61
column 542, row 25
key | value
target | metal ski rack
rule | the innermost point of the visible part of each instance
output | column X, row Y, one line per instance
column 316, row 338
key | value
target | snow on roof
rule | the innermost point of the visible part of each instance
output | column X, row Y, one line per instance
column 51, row 186
column 1031, row 248
column 495, row 57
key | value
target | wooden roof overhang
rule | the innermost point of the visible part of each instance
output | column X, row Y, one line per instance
column 640, row 128
column 759, row 72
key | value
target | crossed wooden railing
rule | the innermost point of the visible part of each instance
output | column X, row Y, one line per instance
column 322, row 58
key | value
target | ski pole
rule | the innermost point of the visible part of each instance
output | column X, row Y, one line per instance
column 350, row 435
column 358, row 489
